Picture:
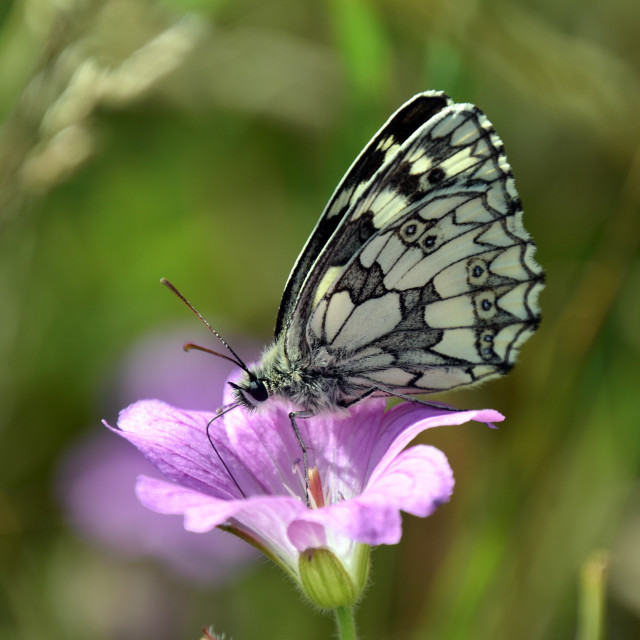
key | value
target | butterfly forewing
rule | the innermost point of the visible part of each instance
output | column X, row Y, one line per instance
column 428, row 281
column 380, row 151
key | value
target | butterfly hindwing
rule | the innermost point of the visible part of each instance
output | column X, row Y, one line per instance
column 400, row 126
column 429, row 280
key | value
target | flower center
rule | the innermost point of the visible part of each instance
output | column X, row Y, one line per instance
column 315, row 489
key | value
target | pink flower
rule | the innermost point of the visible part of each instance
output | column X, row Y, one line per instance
column 362, row 476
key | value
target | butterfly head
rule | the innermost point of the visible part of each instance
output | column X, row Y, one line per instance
column 273, row 375
column 251, row 392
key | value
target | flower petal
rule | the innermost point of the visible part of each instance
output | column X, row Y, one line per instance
column 417, row 481
column 307, row 535
column 369, row 521
column 406, row 421
column 201, row 512
column 265, row 519
column 176, row 442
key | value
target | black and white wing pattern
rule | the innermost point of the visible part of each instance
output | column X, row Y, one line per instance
column 420, row 275
column 380, row 150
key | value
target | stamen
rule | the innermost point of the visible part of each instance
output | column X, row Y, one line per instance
column 296, row 467
column 315, row 488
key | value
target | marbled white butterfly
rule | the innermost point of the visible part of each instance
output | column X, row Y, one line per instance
column 419, row 276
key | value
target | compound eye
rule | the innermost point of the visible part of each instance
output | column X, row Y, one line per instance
column 258, row 391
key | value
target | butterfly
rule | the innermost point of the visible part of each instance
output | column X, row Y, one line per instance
column 419, row 276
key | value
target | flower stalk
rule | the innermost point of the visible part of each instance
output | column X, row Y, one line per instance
column 345, row 623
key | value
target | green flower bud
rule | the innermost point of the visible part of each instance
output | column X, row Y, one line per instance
column 327, row 582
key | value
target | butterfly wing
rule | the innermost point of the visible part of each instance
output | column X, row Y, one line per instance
column 400, row 126
column 428, row 281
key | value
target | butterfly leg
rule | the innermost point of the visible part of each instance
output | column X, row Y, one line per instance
column 303, row 447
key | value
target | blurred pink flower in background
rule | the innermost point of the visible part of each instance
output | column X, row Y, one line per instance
column 97, row 477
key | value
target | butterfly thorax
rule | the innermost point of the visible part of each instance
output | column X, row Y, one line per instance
column 311, row 381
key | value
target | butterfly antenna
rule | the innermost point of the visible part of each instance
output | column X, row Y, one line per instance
column 236, row 360
column 189, row 345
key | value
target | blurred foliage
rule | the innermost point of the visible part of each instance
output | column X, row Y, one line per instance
column 199, row 140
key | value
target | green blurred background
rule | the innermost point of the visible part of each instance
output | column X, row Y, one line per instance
column 199, row 140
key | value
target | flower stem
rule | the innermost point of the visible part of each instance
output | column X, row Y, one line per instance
column 345, row 623
column 592, row 600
